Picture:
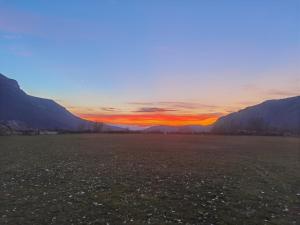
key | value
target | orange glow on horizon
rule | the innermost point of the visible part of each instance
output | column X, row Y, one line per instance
column 153, row 119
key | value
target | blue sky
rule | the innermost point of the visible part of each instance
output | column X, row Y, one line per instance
column 90, row 55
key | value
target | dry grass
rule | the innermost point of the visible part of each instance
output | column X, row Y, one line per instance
column 149, row 179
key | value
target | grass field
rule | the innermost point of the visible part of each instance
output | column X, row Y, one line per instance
column 114, row 179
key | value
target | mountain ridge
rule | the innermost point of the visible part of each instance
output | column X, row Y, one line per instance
column 39, row 113
column 23, row 111
column 271, row 116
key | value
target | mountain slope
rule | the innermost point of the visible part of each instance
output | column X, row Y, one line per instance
column 268, row 117
column 177, row 129
column 16, row 105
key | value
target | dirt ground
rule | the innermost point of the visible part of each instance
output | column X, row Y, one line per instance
column 114, row 179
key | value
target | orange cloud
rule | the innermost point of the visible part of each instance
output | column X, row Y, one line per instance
column 154, row 119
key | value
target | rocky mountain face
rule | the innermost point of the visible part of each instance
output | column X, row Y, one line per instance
column 25, row 111
column 269, row 117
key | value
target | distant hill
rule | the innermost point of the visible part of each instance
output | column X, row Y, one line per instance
column 273, row 116
column 178, row 129
column 21, row 111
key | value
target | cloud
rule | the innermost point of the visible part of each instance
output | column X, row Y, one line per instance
column 277, row 92
column 20, row 51
column 251, row 87
column 10, row 36
column 286, row 88
column 246, row 102
column 24, row 23
column 76, row 109
column 154, row 110
column 14, row 21
column 89, row 109
column 109, row 109
column 154, row 119
column 176, row 104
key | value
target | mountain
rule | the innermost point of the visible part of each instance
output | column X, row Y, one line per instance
column 273, row 116
column 178, row 129
column 22, row 111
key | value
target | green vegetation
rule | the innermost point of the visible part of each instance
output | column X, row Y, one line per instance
column 149, row 179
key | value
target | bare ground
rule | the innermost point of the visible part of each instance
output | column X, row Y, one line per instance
column 114, row 179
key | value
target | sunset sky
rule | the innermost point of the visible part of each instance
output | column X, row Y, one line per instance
column 150, row 62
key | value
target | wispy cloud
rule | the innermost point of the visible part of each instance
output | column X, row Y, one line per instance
column 14, row 21
column 19, row 22
column 10, row 36
column 90, row 109
column 154, row 110
column 78, row 109
column 176, row 104
column 291, row 88
column 277, row 92
column 20, row 51
column 109, row 109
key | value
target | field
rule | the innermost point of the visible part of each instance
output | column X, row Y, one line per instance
column 114, row 179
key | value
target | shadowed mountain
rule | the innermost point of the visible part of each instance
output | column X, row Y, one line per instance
column 178, row 129
column 273, row 116
column 24, row 111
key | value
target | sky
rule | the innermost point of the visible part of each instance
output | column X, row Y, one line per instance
column 152, row 62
